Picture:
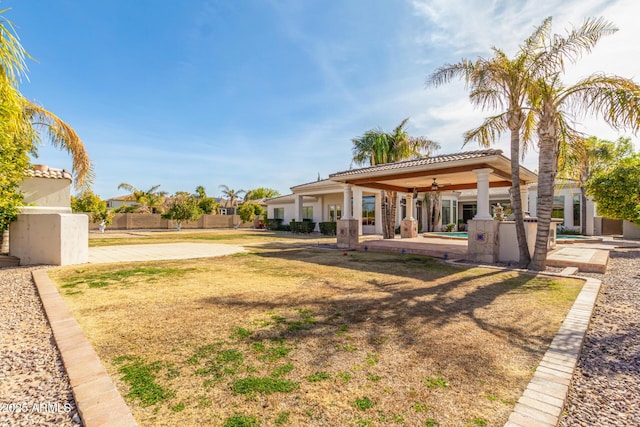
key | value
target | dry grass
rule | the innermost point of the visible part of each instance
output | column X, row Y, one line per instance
column 228, row 236
column 369, row 339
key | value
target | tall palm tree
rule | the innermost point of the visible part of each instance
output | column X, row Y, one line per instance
column 377, row 147
column 615, row 98
column 502, row 83
column 232, row 195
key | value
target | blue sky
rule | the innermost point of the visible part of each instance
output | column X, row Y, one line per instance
column 256, row 93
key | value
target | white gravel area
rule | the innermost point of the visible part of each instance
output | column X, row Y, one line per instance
column 605, row 390
column 34, row 387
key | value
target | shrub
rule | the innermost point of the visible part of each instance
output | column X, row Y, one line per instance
column 302, row 226
column 561, row 229
column 328, row 228
column 274, row 223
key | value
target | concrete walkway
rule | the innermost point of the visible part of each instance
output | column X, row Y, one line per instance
column 157, row 252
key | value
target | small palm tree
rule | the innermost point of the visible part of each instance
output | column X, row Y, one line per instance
column 232, row 195
column 376, row 147
column 150, row 200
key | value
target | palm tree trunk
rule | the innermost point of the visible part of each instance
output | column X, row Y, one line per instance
column 516, row 200
column 547, row 166
column 389, row 215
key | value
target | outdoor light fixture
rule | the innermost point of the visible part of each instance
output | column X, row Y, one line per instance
column 434, row 185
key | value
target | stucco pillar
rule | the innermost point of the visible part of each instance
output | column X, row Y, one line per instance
column 357, row 207
column 410, row 206
column 398, row 209
column 297, row 208
column 378, row 210
column 347, row 232
column 409, row 226
column 346, row 211
column 483, row 193
column 524, row 197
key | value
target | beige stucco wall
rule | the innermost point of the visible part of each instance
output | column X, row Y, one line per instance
column 46, row 195
column 630, row 230
column 54, row 239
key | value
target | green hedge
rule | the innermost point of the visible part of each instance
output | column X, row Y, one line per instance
column 328, row 228
column 302, row 226
column 274, row 223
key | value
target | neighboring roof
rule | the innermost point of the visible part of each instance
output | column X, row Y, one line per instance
column 122, row 198
column 43, row 171
column 419, row 162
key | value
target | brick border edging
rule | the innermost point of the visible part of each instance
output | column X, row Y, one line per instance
column 543, row 400
column 98, row 401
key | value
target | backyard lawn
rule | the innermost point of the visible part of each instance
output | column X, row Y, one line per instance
column 286, row 335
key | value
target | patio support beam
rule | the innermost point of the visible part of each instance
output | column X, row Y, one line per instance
column 483, row 193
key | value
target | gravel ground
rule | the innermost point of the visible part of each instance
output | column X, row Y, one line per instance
column 605, row 390
column 34, row 388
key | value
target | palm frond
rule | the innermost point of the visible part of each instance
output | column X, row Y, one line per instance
column 487, row 133
column 615, row 99
column 12, row 54
column 63, row 137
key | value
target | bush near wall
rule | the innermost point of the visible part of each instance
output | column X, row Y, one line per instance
column 328, row 228
column 302, row 226
column 274, row 223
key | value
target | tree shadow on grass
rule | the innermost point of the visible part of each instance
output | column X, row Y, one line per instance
column 449, row 295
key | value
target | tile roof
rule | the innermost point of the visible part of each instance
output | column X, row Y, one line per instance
column 420, row 162
column 42, row 171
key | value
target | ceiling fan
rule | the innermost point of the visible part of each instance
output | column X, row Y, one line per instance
column 435, row 186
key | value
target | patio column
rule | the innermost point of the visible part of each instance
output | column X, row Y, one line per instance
column 398, row 209
column 357, row 207
column 297, row 208
column 410, row 206
column 409, row 225
column 348, row 226
column 483, row 193
column 346, row 211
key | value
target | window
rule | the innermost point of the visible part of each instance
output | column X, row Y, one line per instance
column 278, row 213
column 335, row 212
column 558, row 207
column 576, row 211
column 468, row 212
column 307, row 213
column 369, row 210
column 446, row 212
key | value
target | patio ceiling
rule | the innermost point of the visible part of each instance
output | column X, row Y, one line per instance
column 451, row 172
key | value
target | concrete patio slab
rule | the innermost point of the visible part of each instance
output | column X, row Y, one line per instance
column 158, row 252
column 585, row 259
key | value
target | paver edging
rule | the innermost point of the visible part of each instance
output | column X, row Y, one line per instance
column 569, row 337
column 100, row 407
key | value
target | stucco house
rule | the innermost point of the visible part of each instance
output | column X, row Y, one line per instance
column 454, row 179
